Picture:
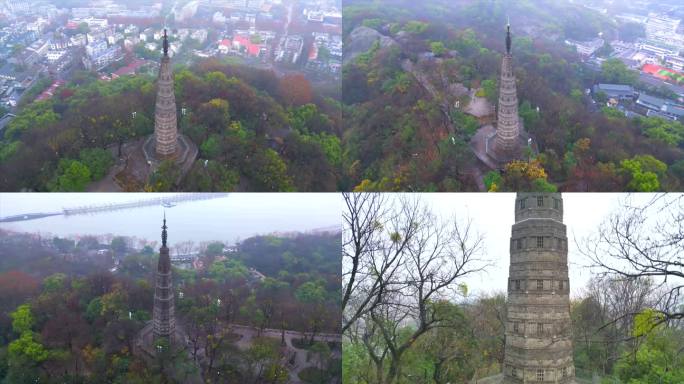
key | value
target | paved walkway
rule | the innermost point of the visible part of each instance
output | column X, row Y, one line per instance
column 107, row 183
column 478, row 143
column 478, row 106
column 247, row 334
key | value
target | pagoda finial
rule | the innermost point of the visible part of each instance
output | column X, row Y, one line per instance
column 164, row 231
column 508, row 38
column 166, row 44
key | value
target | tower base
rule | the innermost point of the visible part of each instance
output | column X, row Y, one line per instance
column 145, row 344
column 500, row 379
column 141, row 161
column 185, row 150
column 485, row 147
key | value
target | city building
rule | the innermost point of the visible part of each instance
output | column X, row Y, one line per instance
column 615, row 91
column 99, row 54
column 290, row 49
column 55, row 56
column 659, row 25
column 631, row 18
column 661, row 107
column 538, row 341
column 662, row 29
column 243, row 44
column 586, row 48
column 675, row 62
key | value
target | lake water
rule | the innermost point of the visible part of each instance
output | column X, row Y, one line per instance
column 228, row 218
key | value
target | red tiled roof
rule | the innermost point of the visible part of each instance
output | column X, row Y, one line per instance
column 129, row 69
column 48, row 93
column 313, row 51
column 244, row 41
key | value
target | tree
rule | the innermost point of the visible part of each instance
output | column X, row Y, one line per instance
column 119, row 245
column 432, row 261
column 229, row 269
column 211, row 148
column 295, row 90
column 63, row 245
column 643, row 172
column 214, row 249
column 467, row 124
column 215, row 115
column 97, row 160
column 311, row 292
column 526, row 176
column 368, row 258
column 493, row 181
column 644, row 239
column 451, row 346
column 615, row 71
column 489, row 89
column 269, row 172
column 437, row 48
column 73, row 176
column 54, row 282
column 24, row 353
column 658, row 359
column 165, row 177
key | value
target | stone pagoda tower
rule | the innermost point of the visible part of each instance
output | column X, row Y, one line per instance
column 508, row 123
column 163, row 325
column 538, row 331
column 165, row 122
column 163, row 315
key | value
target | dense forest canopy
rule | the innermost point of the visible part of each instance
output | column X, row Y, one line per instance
column 255, row 131
column 65, row 317
column 400, row 135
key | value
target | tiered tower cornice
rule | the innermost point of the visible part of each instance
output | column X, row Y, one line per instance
column 163, row 315
column 538, row 332
column 508, row 122
column 165, row 121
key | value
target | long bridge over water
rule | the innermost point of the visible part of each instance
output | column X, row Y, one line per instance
column 166, row 201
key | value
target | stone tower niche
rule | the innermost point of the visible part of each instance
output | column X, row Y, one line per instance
column 538, row 332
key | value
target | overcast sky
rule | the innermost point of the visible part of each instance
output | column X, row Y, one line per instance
column 236, row 216
column 493, row 216
column 240, row 215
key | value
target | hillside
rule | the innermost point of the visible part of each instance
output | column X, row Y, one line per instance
column 255, row 131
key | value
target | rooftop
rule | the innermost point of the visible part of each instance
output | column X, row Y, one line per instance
column 663, row 105
column 615, row 87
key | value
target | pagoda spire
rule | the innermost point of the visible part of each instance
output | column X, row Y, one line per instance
column 508, row 122
column 508, row 37
column 166, row 44
column 163, row 313
column 165, row 122
column 164, row 231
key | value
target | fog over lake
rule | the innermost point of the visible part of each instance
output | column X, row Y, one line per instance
column 227, row 218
